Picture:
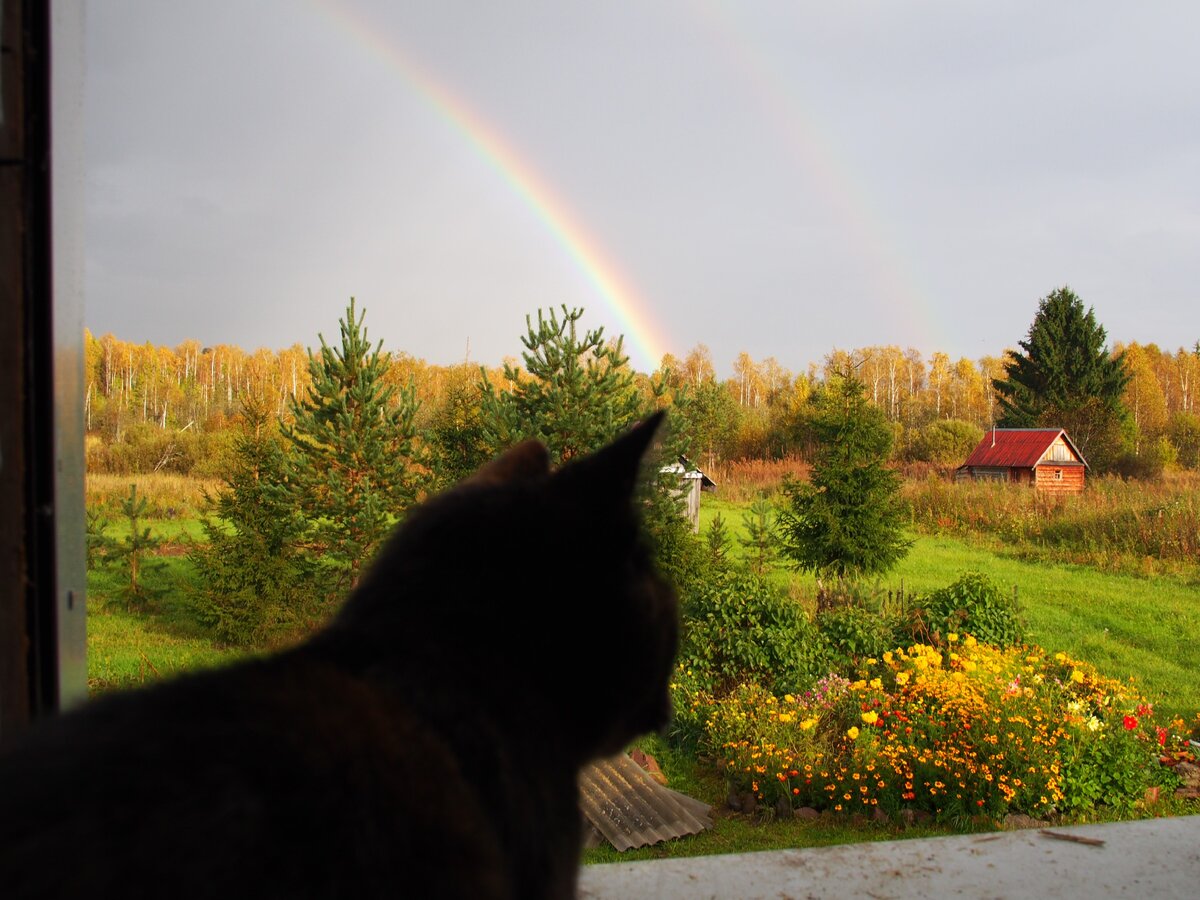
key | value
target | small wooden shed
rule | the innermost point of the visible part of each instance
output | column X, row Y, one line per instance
column 691, row 482
column 1044, row 458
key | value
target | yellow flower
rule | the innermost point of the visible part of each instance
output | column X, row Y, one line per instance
column 952, row 637
column 901, row 678
column 786, row 717
column 853, row 733
column 1060, row 657
column 877, row 684
column 887, row 657
column 871, row 661
column 970, row 641
column 789, row 698
column 808, row 723
column 1077, row 676
column 870, row 717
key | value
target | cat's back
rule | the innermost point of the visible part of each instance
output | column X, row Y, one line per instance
column 425, row 743
column 280, row 777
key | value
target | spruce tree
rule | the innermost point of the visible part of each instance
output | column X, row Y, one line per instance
column 847, row 521
column 1065, row 377
column 717, row 541
column 576, row 394
column 761, row 543
column 253, row 585
column 355, row 466
column 131, row 554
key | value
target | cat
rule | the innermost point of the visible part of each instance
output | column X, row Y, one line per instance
column 426, row 743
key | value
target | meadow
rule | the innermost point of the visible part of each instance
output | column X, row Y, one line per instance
column 1129, row 620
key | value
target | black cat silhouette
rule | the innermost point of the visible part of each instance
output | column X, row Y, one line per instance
column 426, row 743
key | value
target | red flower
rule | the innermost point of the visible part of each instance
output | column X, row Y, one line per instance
column 1130, row 723
column 1162, row 736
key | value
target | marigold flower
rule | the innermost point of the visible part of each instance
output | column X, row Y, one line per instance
column 852, row 733
column 952, row 637
column 1076, row 676
column 870, row 717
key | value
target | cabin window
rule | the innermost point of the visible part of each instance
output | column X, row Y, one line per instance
column 1058, row 474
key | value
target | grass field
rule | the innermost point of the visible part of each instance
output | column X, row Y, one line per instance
column 127, row 648
column 1128, row 626
column 1146, row 628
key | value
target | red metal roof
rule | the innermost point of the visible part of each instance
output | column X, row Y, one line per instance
column 1018, row 447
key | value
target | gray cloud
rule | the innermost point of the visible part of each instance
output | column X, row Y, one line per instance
column 776, row 179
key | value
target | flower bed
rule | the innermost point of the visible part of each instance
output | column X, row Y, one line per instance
column 957, row 732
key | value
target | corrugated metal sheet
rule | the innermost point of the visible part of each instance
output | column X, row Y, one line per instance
column 629, row 809
column 1014, row 447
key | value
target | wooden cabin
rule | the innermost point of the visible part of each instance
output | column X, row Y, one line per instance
column 691, row 482
column 1044, row 458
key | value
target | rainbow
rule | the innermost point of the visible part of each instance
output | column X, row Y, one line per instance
column 631, row 310
column 841, row 189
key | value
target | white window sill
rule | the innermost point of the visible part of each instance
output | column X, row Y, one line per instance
column 1150, row 858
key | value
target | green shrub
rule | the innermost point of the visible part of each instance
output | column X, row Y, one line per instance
column 946, row 442
column 973, row 604
column 1184, row 432
column 739, row 627
column 853, row 633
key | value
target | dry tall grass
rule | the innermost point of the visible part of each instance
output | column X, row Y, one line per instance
column 167, row 496
column 1112, row 523
column 744, row 480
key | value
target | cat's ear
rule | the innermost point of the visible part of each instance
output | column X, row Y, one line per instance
column 614, row 469
column 528, row 459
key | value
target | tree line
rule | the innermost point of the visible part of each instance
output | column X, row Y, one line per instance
column 150, row 406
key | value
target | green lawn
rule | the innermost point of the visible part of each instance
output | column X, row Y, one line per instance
column 126, row 648
column 1125, row 625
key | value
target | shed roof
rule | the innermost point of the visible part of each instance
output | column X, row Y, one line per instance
column 1019, row 448
column 628, row 808
column 688, row 470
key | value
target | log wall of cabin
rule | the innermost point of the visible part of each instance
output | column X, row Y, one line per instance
column 1071, row 482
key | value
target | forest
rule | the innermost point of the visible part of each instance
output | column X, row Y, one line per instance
column 171, row 409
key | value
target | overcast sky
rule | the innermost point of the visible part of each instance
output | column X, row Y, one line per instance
column 781, row 178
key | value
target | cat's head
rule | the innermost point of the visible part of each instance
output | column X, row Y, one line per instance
column 533, row 588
